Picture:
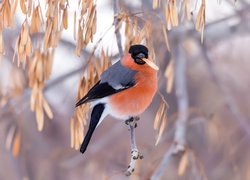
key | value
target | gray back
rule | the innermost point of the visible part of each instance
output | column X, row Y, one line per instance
column 117, row 75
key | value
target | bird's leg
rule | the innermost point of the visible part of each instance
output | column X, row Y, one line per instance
column 132, row 121
column 135, row 154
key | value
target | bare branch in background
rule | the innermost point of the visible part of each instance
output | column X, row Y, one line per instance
column 116, row 24
column 229, row 100
column 182, row 100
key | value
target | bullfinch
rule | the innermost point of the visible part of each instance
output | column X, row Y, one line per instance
column 124, row 90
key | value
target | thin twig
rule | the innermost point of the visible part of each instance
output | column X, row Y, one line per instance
column 182, row 100
column 182, row 97
column 162, row 98
column 164, row 163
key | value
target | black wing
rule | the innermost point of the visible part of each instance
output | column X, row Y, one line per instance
column 95, row 117
column 100, row 90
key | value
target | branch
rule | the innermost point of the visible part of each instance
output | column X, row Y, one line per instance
column 229, row 100
column 164, row 163
column 116, row 23
column 61, row 78
column 182, row 97
column 218, row 30
column 182, row 100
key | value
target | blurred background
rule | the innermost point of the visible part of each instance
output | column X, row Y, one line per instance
column 202, row 49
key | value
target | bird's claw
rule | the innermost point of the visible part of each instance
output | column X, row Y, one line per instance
column 136, row 154
column 132, row 121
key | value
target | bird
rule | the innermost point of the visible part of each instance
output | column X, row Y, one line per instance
column 123, row 91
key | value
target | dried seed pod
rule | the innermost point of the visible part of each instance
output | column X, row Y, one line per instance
column 162, row 127
column 186, row 10
column 201, row 19
column 10, row 137
column 65, row 18
column 183, row 164
column 16, row 144
column 72, row 132
column 6, row 13
column 169, row 74
column 47, row 108
column 35, row 21
column 29, row 3
column 23, row 6
column 39, row 71
column 23, row 44
column 155, row 4
column 165, row 37
column 86, row 25
column 1, row 45
column 158, row 116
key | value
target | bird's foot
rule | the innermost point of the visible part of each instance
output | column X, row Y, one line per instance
column 132, row 121
column 135, row 155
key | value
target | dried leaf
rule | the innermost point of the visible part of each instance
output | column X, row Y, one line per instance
column 158, row 116
column 155, row 4
column 169, row 74
column 72, row 132
column 167, row 16
column 24, row 33
column 1, row 43
column 28, row 48
column 10, row 136
column 165, row 37
column 47, row 108
column 183, row 164
column 39, row 70
column 33, row 98
column 75, row 25
column 35, row 21
column 200, row 20
column 186, row 10
column 76, row 139
column 162, row 127
column 16, row 144
column 23, row 6
column 15, row 6
column 47, row 33
column 39, row 112
column 93, row 30
column 29, row 7
column 65, row 18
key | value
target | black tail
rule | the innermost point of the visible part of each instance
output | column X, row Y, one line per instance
column 95, row 117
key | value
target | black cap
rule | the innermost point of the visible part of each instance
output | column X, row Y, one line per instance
column 137, row 49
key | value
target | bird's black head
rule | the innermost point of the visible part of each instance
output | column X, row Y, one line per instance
column 138, row 52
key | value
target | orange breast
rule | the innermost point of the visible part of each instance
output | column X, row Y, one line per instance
column 135, row 100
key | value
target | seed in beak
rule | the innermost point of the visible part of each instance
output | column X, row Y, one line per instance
column 151, row 64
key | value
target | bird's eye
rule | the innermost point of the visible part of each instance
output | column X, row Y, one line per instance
column 139, row 61
column 138, row 58
column 140, row 55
